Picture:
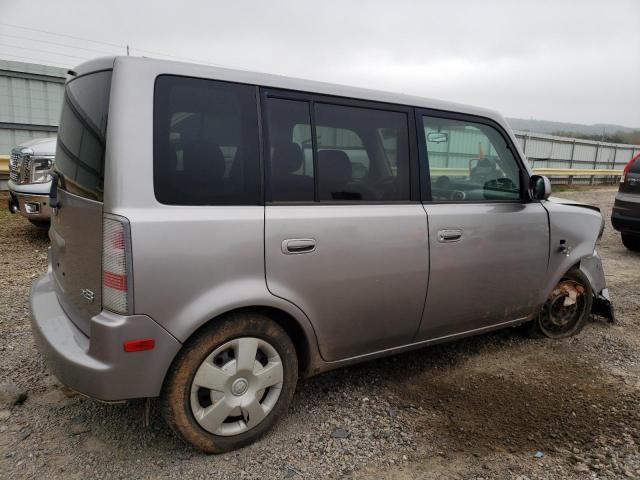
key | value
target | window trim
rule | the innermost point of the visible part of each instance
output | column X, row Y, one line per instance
column 425, row 178
column 311, row 99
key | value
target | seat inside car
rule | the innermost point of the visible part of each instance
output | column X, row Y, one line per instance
column 287, row 159
column 335, row 172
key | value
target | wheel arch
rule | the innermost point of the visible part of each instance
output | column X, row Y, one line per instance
column 303, row 339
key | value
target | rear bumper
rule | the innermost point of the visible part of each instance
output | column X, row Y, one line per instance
column 98, row 366
column 625, row 216
column 625, row 223
column 33, row 207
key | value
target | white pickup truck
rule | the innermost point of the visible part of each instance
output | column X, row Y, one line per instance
column 30, row 181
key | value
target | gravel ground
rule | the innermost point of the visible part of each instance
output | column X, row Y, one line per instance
column 495, row 406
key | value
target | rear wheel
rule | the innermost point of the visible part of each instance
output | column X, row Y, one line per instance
column 230, row 383
column 632, row 242
column 567, row 309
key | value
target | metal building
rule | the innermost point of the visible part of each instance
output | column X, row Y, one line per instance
column 30, row 102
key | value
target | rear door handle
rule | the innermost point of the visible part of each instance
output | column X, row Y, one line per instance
column 292, row 246
column 450, row 235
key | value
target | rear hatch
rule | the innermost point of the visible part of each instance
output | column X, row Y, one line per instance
column 632, row 179
column 76, row 228
column 628, row 198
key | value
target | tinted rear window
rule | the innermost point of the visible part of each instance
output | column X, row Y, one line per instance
column 205, row 142
column 635, row 167
column 82, row 135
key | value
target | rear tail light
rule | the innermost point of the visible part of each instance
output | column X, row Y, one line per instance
column 117, row 291
column 627, row 167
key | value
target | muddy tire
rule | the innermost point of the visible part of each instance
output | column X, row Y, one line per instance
column 632, row 242
column 556, row 319
column 230, row 383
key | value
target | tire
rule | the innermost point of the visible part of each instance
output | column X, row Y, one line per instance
column 632, row 242
column 41, row 224
column 557, row 321
column 221, row 416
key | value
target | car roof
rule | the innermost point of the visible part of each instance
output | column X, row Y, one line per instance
column 287, row 83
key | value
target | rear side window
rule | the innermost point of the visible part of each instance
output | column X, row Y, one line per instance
column 291, row 159
column 82, row 135
column 361, row 154
column 205, row 143
column 353, row 162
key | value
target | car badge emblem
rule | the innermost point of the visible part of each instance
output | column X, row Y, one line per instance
column 88, row 295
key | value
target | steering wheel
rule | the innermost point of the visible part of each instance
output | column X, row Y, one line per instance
column 503, row 183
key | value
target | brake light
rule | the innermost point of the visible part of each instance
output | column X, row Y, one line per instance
column 627, row 167
column 116, row 265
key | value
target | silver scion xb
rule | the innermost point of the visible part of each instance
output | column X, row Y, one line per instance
column 218, row 234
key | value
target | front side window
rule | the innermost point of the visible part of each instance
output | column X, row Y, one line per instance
column 206, row 149
column 469, row 162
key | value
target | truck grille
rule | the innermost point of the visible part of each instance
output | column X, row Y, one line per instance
column 15, row 165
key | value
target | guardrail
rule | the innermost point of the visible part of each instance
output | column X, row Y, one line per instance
column 576, row 172
column 549, row 172
column 453, row 172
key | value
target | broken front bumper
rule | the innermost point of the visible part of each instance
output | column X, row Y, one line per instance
column 592, row 267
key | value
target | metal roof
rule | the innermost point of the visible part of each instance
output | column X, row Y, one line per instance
column 284, row 82
column 32, row 68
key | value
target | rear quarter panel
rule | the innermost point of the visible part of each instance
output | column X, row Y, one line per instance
column 190, row 263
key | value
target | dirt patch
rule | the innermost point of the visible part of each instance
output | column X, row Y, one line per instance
column 496, row 406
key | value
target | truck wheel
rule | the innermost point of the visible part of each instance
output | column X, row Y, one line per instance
column 632, row 242
column 230, row 383
column 567, row 309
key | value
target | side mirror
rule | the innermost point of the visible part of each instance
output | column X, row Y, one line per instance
column 437, row 137
column 540, row 187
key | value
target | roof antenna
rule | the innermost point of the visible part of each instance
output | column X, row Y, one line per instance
column 127, row 50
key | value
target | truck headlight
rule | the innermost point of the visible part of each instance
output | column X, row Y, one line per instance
column 40, row 168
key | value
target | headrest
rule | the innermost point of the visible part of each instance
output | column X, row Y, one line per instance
column 484, row 163
column 286, row 158
column 203, row 161
column 334, row 167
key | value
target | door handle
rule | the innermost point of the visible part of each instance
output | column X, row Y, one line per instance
column 292, row 246
column 452, row 235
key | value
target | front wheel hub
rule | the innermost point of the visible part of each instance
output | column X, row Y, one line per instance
column 563, row 309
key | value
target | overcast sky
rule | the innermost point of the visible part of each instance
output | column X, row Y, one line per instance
column 572, row 60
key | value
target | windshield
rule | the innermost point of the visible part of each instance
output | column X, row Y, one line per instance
column 81, row 135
